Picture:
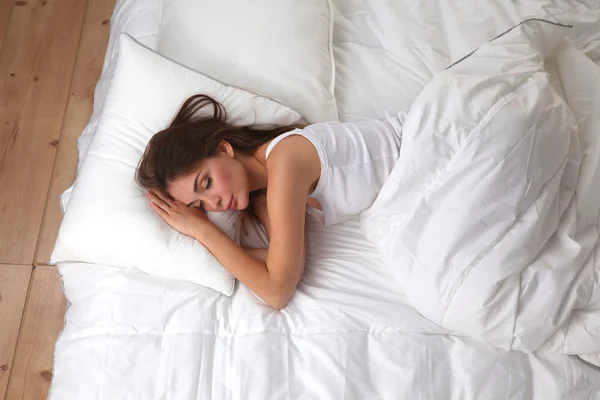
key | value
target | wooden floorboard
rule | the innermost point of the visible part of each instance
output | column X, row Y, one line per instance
column 51, row 55
column 43, row 320
column 36, row 67
column 90, row 57
column 14, row 281
column 5, row 11
column 20, row 47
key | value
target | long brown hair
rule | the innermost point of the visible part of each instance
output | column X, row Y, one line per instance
column 194, row 136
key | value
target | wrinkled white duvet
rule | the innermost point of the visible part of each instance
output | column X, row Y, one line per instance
column 490, row 220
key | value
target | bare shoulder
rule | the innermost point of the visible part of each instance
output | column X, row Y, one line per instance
column 295, row 156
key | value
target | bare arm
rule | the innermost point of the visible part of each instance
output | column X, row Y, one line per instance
column 257, row 253
column 293, row 168
column 259, row 205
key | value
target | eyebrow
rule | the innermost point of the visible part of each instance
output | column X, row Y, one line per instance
column 196, row 182
column 195, row 186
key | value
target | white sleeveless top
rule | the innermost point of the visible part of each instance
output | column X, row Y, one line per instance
column 356, row 159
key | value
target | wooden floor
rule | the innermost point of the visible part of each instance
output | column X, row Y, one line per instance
column 51, row 55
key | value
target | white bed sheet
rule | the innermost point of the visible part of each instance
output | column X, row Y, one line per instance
column 348, row 332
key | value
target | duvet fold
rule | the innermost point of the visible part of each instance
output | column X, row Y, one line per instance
column 489, row 221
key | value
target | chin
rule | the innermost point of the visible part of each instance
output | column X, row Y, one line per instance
column 243, row 203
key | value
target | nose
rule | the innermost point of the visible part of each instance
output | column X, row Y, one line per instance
column 213, row 204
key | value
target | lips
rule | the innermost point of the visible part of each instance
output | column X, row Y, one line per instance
column 232, row 204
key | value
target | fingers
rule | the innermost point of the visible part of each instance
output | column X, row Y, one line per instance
column 161, row 213
column 159, row 199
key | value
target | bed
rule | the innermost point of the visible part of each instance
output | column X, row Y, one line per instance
column 348, row 332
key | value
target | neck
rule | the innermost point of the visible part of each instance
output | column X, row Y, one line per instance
column 257, row 172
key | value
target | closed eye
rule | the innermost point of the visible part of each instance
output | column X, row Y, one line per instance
column 198, row 205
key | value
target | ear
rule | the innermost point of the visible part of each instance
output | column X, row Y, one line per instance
column 225, row 148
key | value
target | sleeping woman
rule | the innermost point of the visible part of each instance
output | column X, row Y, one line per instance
column 203, row 163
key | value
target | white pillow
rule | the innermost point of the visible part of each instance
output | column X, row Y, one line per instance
column 109, row 220
column 279, row 48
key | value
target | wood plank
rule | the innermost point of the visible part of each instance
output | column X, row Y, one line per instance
column 90, row 57
column 28, row 153
column 43, row 320
column 14, row 281
column 21, row 45
column 6, row 7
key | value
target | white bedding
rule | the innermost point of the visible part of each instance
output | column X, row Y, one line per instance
column 348, row 332
column 386, row 51
column 490, row 220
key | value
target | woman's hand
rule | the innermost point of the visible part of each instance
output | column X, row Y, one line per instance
column 187, row 220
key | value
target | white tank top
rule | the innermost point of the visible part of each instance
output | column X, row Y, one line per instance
column 356, row 159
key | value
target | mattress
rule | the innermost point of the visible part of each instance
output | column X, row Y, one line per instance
column 348, row 332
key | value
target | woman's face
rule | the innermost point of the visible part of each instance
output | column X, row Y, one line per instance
column 219, row 183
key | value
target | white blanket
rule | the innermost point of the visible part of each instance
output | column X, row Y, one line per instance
column 347, row 334
column 490, row 220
